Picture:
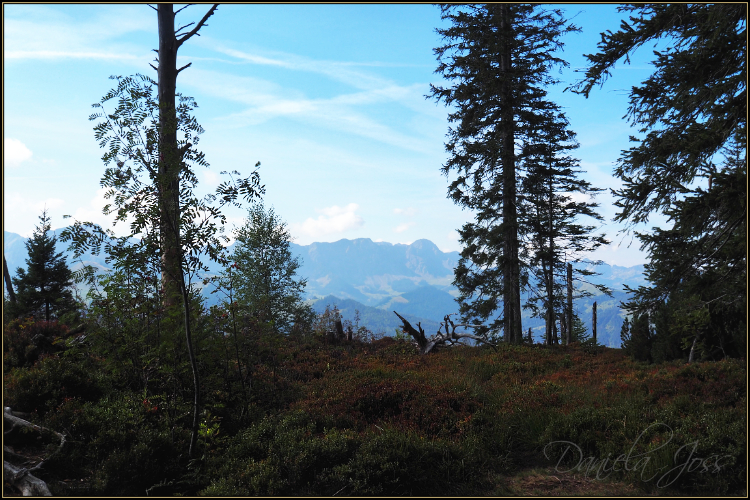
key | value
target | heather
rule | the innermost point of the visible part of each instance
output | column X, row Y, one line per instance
column 372, row 417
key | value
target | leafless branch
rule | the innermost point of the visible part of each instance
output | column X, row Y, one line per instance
column 185, row 7
column 199, row 26
column 426, row 345
column 183, row 27
column 186, row 66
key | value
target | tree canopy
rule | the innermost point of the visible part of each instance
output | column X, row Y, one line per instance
column 498, row 58
column 43, row 289
column 691, row 166
column 268, row 285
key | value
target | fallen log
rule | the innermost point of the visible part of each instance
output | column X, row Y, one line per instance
column 426, row 345
column 17, row 476
column 27, row 484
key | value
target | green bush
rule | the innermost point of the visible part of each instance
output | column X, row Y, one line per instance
column 26, row 340
column 282, row 456
column 392, row 462
column 45, row 385
column 293, row 455
column 128, row 444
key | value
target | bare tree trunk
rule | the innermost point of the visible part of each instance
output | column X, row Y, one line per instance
column 569, row 322
column 170, row 164
column 555, row 338
column 511, row 274
column 8, row 283
column 691, row 357
column 425, row 345
column 550, row 272
column 339, row 330
column 593, row 323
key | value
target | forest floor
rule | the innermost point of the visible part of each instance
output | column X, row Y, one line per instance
column 377, row 419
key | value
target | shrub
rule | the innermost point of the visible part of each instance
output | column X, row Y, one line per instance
column 25, row 340
column 45, row 385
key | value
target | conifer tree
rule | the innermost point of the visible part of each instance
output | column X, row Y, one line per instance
column 43, row 289
column 551, row 216
column 498, row 57
column 579, row 333
column 693, row 110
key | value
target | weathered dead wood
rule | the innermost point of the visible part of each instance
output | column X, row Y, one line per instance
column 28, row 484
column 20, row 477
column 339, row 330
column 426, row 345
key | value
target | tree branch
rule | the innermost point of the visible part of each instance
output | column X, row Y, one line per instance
column 186, row 66
column 426, row 345
column 183, row 8
column 182, row 40
column 182, row 27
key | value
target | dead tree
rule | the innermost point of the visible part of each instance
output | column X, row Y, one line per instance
column 8, row 283
column 339, row 330
column 20, row 447
column 425, row 345
column 593, row 323
column 170, row 160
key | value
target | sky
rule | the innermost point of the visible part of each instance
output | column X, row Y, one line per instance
column 329, row 98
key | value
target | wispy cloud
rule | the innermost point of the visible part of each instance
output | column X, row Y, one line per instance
column 345, row 112
column 335, row 219
column 336, row 70
column 56, row 54
column 23, row 207
column 15, row 151
column 39, row 32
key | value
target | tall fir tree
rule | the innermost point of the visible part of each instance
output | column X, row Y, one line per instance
column 498, row 57
column 268, row 285
column 552, row 217
column 691, row 165
column 43, row 289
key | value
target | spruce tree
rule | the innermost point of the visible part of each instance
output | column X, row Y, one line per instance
column 551, row 216
column 43, row 290
column 691, row 165
column 498, row 57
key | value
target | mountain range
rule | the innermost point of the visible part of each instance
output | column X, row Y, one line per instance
column 415, row 280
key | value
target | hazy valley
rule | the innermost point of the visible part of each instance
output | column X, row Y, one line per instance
column 377, row 278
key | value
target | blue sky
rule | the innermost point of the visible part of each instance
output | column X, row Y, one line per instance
column 329, row 98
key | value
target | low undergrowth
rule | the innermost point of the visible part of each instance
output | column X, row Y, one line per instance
column 377, row 419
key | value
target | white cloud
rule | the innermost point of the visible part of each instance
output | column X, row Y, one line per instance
column 334, row 220
column 403, row 227
column 409, row 212
column 336, row 70
column 15, row 152
column 93, row 213
column 211, row 178
column 22, row 204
